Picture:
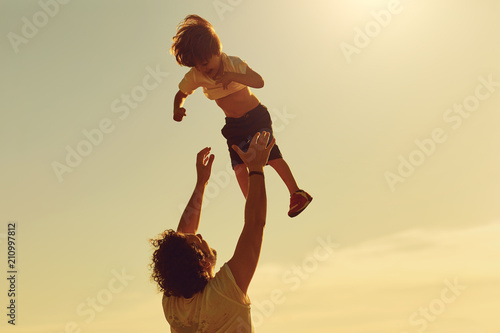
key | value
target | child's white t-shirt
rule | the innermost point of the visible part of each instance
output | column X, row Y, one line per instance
column 220, row 307
column 195, row 79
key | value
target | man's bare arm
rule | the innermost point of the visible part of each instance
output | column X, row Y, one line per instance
column 247, row 252
column 190, row 219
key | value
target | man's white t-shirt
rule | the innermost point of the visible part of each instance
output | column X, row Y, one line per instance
column 220, row 307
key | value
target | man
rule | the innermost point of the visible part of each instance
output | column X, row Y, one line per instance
column 194, row 298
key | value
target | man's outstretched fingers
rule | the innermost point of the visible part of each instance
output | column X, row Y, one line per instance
column 264, row 137
column 203, row 154
column 204, row 151
column 271, row 144
column 204, row 163
column 238, row 150
column 256, row 137
column 210, row 160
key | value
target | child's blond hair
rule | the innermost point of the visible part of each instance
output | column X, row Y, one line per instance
column 195, row 41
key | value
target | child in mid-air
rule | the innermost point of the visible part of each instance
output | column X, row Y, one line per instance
column 226, row 79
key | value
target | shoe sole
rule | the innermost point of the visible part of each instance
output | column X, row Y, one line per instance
column 300, row 211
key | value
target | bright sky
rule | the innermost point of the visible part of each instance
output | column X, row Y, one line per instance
column 386, row 111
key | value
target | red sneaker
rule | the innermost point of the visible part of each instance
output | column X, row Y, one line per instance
column 298, row 202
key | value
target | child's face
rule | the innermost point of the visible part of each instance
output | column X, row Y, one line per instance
column 210, row 67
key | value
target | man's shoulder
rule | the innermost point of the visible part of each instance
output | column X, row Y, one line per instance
column 223, row 272
column 223, row 279
column 225, row 283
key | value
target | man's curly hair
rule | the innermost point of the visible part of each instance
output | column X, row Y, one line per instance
column 177, row 265
column 195, row 41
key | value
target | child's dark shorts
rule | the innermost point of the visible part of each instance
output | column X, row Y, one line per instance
column 240, row 131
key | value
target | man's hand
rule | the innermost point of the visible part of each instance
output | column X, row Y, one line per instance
column 190, row 219
column 258, row 153
column 247, row 252
column 225, row 79
column 204, row 165
column 179, row 113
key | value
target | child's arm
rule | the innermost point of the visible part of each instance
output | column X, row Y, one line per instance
column 250, row 78
column 179, row 111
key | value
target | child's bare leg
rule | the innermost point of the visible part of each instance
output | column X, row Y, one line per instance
column 285, row 173
column 241, row 172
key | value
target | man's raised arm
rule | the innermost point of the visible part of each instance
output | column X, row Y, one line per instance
column 247, row 252
column 190, row 219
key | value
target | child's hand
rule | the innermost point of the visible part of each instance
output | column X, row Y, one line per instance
column 225, row 79
column 179, row 114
